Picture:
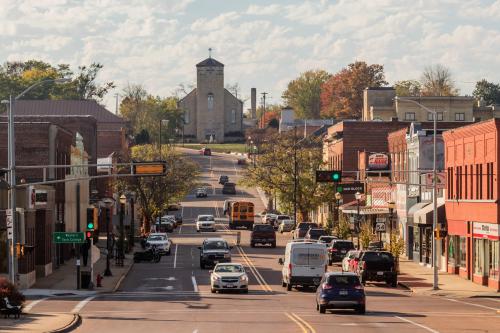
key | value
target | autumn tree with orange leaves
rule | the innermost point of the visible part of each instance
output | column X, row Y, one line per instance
column 342, row 94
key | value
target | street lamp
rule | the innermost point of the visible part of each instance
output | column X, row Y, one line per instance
column 11, row 157
column 132, row 222
column 358, row 199
column 391, row 205
column 434, row 189
column 108, row 203
column 338, row 197
column 121, row 241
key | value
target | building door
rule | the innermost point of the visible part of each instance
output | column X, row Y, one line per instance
column 427, row 255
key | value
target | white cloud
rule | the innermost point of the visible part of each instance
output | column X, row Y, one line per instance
column 264, row 10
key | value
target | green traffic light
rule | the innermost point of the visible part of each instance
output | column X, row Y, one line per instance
column 335, row 176
column 90, row 225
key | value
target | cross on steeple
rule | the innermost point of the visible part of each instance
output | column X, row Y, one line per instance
column 210, row 52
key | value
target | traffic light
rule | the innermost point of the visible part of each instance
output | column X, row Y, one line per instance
column 440, row 233
column 88, row 234
column 90, row 219
column 328, row 176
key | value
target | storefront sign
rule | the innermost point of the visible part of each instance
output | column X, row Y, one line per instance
column 486, row 230
column 351, row 188
column 37, row 198
column 440, row 178
column 378, row 161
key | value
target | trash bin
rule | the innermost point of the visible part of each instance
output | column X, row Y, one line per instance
column 85, row 278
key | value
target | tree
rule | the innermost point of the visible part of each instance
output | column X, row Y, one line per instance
column 17, row 76
column 142, row 138
column 303, row 94
column 342, row 93
column 366, row 235
column 154, row 194
column 487, row 91
column 408, row 88
column 275, row 169
column 437, row 80
column 343, row 228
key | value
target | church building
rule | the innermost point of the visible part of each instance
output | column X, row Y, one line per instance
column 211, row 112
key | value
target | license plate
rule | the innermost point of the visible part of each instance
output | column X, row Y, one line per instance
column 229, row 285
column 380, row 273
column 343, row 292
column 343, row 251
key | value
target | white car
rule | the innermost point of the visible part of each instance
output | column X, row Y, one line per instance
column 205, row 223
column 348, row 257
column 160, row 241
column 286, row 225
column 229, row 276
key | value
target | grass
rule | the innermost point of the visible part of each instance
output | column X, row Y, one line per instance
column 219, row 147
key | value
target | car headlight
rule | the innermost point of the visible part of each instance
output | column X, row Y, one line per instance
column 215, row 278
column 243, row 278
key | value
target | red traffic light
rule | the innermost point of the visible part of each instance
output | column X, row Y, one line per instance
column 89, row 234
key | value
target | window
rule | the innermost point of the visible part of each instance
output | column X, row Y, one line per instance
column 489, row 181
column 186, row 117
column 430, row 116
column 494, row 259
column 480, row 181
column 472, row 182
column 410, row 116
column 463, row 251
column 465, row 181
column 210, row 102
column 233, row 116
column 450, row 183
column 459, row 116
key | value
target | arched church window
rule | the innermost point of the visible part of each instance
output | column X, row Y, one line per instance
column 210, row 102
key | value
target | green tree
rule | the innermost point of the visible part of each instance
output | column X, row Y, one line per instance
column 275, row 170
column 343, row 228
column 154, row 194
column 487, row 91
column 342, row 93
column 437, row 80
column 408, row 88
column 303, row 94
column 366, row 235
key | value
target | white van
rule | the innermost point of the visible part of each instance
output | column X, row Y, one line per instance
column 304, row 264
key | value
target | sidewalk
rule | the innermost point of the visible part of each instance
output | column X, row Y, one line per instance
column 419, row 279
column 47, row 322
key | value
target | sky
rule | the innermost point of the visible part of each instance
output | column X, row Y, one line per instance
column 262, row 43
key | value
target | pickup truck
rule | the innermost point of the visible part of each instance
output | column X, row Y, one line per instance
column 378, row 266
column 263, row 234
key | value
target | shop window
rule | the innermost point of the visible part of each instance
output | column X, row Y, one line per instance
column 462, row 246
column 416, row 239
column 459, row 116
column 452, row 250
column 478, row 257
column 494, row 259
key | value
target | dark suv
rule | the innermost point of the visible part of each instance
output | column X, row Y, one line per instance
column 378, row 266
column 263, row 234
column 223, row 179
column 229, row 188
column 315, row 233
column 302, row 229
column 338, row 249
column 340, row 290
column 214, row 251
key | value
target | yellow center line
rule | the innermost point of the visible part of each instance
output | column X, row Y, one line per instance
column 311, row 329
column 297, row 322
column 250, row 266
column 256, row 271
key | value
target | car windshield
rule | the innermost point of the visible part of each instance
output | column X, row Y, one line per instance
column 216, row 245
column 205, row 218
column 306, row 226
column 229, row 269
column 343, row 280
column 343, row 245
column 378, row 256
column 155, row 238
column 262, row 227
column 316, row 232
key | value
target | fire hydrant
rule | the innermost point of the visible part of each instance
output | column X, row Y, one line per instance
column 98, row 279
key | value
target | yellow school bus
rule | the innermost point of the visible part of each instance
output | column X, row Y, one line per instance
column 241, row 214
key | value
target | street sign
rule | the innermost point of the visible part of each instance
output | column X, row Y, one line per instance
column 68, row 237
column 10, row 225
column 380, row 227
column 440, row 178
column 149, row 169
column 352, row 188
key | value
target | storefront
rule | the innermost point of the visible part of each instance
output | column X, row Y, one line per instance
column 486, row 254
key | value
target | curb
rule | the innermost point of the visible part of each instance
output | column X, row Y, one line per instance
column 77, row 321
column 120, row 280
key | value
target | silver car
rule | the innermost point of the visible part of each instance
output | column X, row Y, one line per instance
column 286, row 226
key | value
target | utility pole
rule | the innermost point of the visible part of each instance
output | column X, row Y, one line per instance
column 295, row 174
column 263, row 107
column 78, row 230
column 12, row 175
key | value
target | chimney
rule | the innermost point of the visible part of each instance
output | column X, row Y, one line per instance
column 253, row 102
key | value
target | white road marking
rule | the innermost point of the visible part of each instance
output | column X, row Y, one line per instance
column 472, row 304
column 195, row 286
column 180, row 228
column 32, row 304
column 417, row 324
column 82, row 304
column 175, row 257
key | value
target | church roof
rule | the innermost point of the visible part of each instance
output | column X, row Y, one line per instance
column 210, row 62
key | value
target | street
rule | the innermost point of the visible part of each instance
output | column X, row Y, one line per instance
column 174, row 295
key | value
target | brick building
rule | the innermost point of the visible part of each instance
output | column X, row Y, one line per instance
column 472, row 210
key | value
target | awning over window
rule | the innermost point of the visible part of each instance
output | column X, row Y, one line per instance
column 363, row 210
column 424, row 215
column 416, row 207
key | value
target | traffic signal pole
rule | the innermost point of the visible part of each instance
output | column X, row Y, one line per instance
column 78, row 230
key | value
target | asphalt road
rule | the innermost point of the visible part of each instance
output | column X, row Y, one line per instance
column 174, row 295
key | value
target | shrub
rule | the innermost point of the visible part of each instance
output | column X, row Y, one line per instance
column 9, row 290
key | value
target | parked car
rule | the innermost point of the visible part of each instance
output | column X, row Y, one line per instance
column 270, row 218
column 242, row 161
column 376, row 246
column 263, row 234
column 160, row 241
column 378, row 266
column 326, row 239
column 206, row 151
column 340, row 290
column 230, row 276
column 205, row 223
column 229, row 188
column 201, row 192
column 286, row 225
column 346, row 262
column 338, row 249
column 315, row 233
column 214, row 251
column 175, row 210
column 164, row 224
column 170, row 218
column 354, row 262
column 302, row 229
column 304, row 264
column 223, row 179
column 279, row 218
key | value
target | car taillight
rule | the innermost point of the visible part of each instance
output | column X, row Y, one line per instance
column 334, row 250
column 364, row 264
column 358, row 287
column 326, row 286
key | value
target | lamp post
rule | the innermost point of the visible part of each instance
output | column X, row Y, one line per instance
column 435, row 285
column 356, row 225
column 11, row 157
column 121, row 240
column 391, row 205
column 338, row 197
column 108, row 203
column 132, row 222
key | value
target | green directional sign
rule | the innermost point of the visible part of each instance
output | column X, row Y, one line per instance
column 68, row 237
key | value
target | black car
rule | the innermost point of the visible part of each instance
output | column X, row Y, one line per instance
column 378, row 266
column 338, row 249
column 229, row 188
column 223, row 179
column 263, row 234
column 315, row 233
column 339, row 290
column 214, row 251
